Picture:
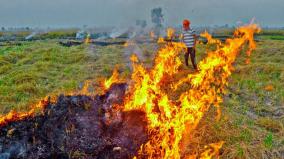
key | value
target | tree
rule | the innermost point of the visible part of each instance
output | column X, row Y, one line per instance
column 157, row 17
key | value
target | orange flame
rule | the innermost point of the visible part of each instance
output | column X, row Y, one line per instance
column 269, row 87
column 161, row 40
column 170, row 33
column 88, row 39
column 16, row 116
column 126, row 44
column 210, row 39
column 169, row 120
column 129, row 43
column 113, row 79
column 152, row 35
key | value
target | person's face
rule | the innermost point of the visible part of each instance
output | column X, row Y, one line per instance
column 186, row 27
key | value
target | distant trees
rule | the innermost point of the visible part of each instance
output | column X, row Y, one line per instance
column 157, row 18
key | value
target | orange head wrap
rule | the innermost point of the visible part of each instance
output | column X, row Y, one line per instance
column 186, row 23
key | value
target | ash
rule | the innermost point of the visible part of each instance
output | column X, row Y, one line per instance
column 77, row 127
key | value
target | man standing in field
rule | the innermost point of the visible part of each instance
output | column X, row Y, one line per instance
column 189, row 39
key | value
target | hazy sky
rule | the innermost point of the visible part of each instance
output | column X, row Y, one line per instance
column 69, row 13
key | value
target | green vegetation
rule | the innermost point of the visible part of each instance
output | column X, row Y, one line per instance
column 63, row 33
column 253, row 110
column 273, row 37
column 37, row 69
column 266, row 34
column 16, row 35
column 52, row 34
column 268, row 141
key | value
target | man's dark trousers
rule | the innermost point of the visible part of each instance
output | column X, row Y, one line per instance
column 191, row 52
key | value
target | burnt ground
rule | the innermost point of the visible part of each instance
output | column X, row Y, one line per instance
column 77, row 127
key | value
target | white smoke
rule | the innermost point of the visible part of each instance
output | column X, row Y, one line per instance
column 132, row 48
column 115, row 33
column 31, row 36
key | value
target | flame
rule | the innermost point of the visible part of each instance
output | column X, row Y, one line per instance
column 161, row 40
column 113, row 79
column 170, row 33
column 129, row 43
column 269, row 87
column 85, row 89
column 88, row 39
column 169, row 120
column 16, row 116
column 126, row 44
column 210, row 39
column 152, row 35
column 212, row 151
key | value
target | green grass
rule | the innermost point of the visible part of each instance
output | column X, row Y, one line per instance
column 275, row 32
column 61, row 33
column 37, row 69
column 272, row 37
column 268, row 141
column 52, row 34
column 252, row 116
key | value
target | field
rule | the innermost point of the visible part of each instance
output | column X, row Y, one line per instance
column 252, row 122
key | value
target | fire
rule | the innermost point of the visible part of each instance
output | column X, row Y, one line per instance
column 152, row 35
column 210, row 39
column 126, row 44
column 88, row 39
column 161, row 40
column 169, row 120
column 269, row 87
column 38, row 107
column 16, row 116
column 170, row 33
column 113, row 79
column 129, row 43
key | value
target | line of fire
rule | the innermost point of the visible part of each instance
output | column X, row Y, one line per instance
column 135, row 117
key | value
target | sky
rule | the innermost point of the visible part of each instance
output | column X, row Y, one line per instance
column 76, row 13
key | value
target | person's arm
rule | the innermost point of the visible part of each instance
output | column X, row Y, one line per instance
column 181, row 37
column 195, row 39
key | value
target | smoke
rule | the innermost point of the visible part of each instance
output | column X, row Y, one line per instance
column 117, row 32
column 29, row 37
column 36, row 32
column 135, row 34
column 81, row 34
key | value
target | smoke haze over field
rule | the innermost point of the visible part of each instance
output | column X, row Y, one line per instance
column 74, row 13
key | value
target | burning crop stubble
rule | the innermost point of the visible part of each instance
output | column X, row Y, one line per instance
column 169, row 120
